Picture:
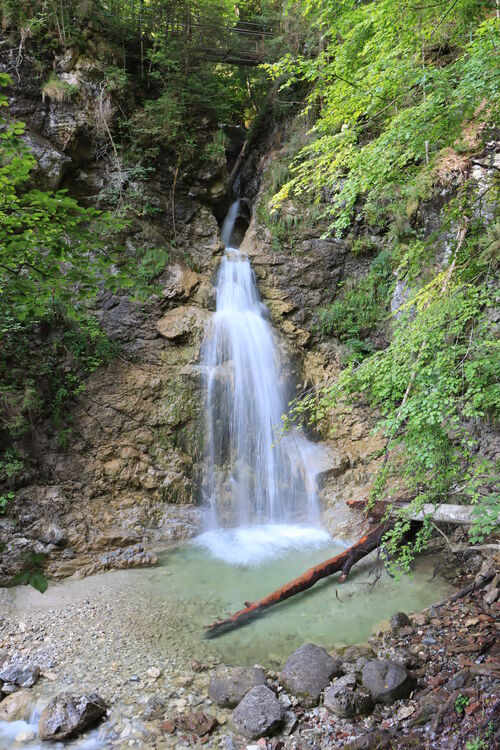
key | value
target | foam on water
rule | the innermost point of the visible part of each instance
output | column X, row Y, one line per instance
column 14, row 735
column 254, row 545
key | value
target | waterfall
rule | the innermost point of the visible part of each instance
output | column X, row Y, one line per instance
column 253, row 474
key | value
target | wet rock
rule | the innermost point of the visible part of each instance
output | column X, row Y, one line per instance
column 387, row 681
column 15, row 707
column 399, row 620
column 16, row 674
column 229, row 685
column 308, row 671
column 258, row 714
column 198, row 723
column 25, row 736
column 68, row 714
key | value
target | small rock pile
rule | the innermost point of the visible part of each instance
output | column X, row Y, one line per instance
column 64, row 716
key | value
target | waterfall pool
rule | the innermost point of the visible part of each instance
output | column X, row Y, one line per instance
column 214, row 574
column 107, row 632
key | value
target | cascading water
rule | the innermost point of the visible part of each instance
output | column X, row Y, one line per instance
column 253, row 476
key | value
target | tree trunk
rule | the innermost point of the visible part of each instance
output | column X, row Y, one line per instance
column 445, row 513
column 341, row 563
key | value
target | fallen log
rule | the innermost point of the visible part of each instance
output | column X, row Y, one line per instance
column 445, row 513
column 340, row 563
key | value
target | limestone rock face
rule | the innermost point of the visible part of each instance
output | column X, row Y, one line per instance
column 180, row 282
column 259, row 713
column 229, row 685
column 387, row 681
column 68, row 714
column 182, row 322
column 51, row 163
column 308, row 671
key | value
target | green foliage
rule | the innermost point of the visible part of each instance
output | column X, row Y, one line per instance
column 153, row 263
column 394, row 84
column 4, row 500
column 215, row 151
column 433, row 383
column 58, row 89
column 32, row 574
column 461, row 703
column 117, row 79
column 11, row 463
column 55, row 256
column 54, row 252
column 476, row 744
column 398, row 93
column 481, row 743
column 362, row 305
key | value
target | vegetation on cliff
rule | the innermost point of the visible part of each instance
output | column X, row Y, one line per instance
column 406, row 99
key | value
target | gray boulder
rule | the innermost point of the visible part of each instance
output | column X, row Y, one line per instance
column 229, row 685
column 341, row 699
column 24, row 677
column 258, row 714
column 399, row 620
column 68, row 714
column 387, row 681
column 308, row 671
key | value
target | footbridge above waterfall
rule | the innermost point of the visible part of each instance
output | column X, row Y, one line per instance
column 200, row 36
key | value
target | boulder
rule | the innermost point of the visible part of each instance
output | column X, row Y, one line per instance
column 308, row 671
column 387, row 681
column 399, row 620
column 68, row 714
column 182, row 322
column 341, row 699
column 16, row 674
column 229, row 685
column 258, row 714
column 15, row 707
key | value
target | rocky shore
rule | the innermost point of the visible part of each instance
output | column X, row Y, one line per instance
column 424, row 680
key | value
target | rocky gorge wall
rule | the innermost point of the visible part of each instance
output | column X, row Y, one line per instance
column 129, row 470
column 128, row 477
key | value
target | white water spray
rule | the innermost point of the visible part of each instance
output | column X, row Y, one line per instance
column 253, row 476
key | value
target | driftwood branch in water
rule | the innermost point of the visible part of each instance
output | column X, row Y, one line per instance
column 340, row 563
